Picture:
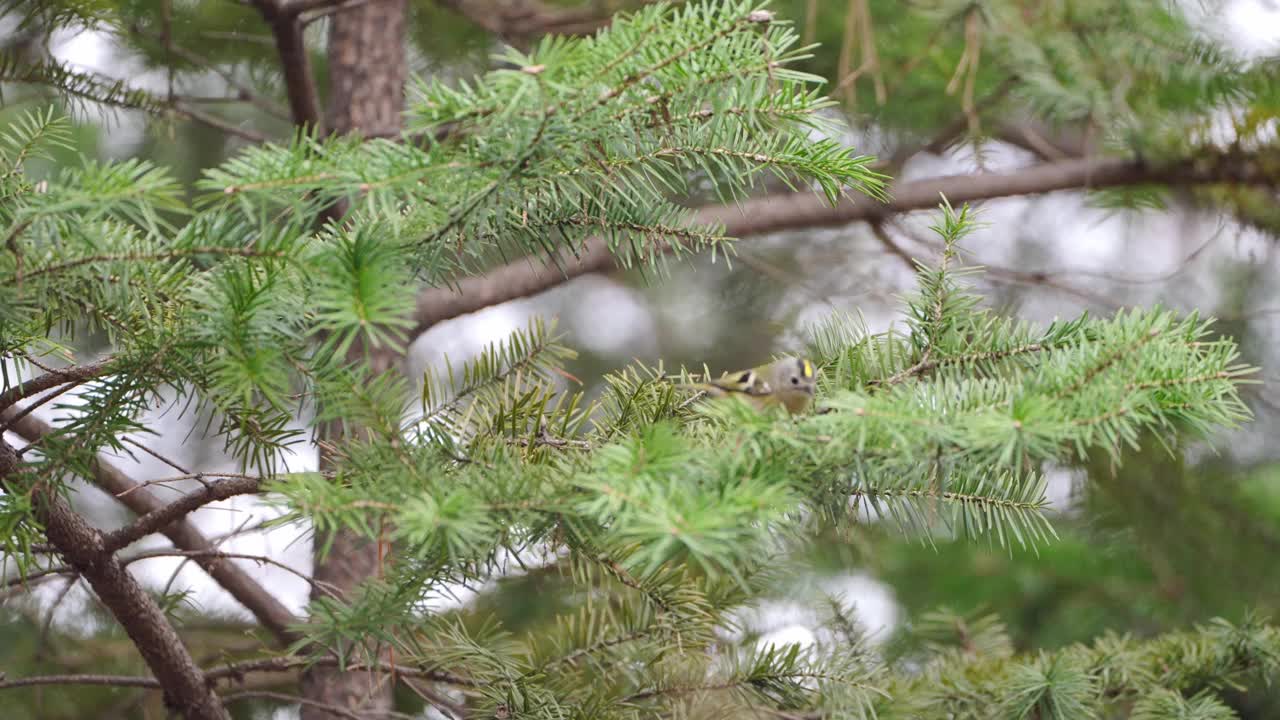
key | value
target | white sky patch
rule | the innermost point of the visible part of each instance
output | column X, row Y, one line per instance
column 689, row 316
column 1060, row 486
column 463, row 338
column 868, row 600
column 93, row 51
column 788, row 635
column 83, row 49
column 799, row 618
column 1253, row 26
column 609, row 318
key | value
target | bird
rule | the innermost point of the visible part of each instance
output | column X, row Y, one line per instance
column 789, row 381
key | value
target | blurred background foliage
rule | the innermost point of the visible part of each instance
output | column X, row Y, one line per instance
column 933, row 87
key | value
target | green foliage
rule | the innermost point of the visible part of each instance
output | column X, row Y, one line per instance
column 593, row 136
column 666, row 506
column 1096, row 679
column 658, row 516
column 1136, row 75
column 1163, row 703
column 78, row 86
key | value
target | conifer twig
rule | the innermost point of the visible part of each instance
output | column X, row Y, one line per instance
column 75, row 374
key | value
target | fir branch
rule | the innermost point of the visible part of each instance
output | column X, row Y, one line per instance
column 750, row 682
column 602, row 644
column 1004, row 510
column 76, row 84
column 174, row 254
column 74, row 375
column 530, row 352
column 1193, row 380
column 1109, row 361
column 642, row 74
column 736, row 111
column 303, row 180
column 89, row 87
column 663, row 98
column 925, row 365
column 1114, row 669
column 794, row 211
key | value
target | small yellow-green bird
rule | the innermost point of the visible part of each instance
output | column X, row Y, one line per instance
column 788, row 381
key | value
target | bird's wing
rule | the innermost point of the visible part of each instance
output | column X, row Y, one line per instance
column 745, row 381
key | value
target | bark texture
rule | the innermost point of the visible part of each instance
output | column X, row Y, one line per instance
column 185, row 688
column 184, row 535
column 367, row 71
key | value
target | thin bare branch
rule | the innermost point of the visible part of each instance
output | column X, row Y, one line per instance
column 264, row 606
column 236, row 672
column 220, row 555
column 168, row 514
column 110, row 680
column 190, row 113
column 327, row 707
column 522, row 20
column 304, row 100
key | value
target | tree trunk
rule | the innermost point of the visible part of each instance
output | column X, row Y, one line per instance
column 367, row 70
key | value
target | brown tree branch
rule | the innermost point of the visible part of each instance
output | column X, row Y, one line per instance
column 793, row 211
column 110, row 680
column 75, row 374
column 300, row 84
column 143, row 621
column 168, row 514
column 264, row 606
column 217, row 123
column 331, row 709
column 236, row 672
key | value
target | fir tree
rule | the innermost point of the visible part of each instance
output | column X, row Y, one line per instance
column 256, row 304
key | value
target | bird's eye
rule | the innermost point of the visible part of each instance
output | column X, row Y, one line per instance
column 795, row 381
